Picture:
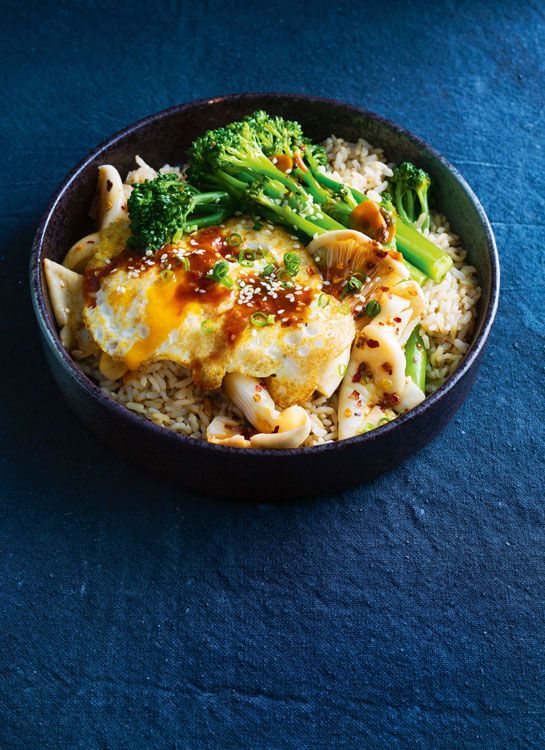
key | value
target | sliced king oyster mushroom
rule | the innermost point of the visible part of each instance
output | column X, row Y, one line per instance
column 287, row 429
column 361, row 270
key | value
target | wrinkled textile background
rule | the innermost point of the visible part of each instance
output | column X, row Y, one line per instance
column 408, row 613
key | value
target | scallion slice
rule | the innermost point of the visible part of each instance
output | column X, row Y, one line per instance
column 261, row 319
column 207, row 326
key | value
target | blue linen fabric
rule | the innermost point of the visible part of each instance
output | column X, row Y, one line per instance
column 408, row 613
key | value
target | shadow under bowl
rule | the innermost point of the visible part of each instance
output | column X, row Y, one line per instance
column 247, row 473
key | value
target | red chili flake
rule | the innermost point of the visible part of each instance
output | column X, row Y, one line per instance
column 397, row 320
column 109, row 185
column 381, row 253
column 259, row 387
column 354, row 395
column 276, row 429
column 389, row 400
column 387, row 367
column 372, row 344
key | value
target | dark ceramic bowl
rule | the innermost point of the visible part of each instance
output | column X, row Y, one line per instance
column 259, row 474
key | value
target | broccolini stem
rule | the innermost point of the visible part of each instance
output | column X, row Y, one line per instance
column 318, row 193
column 352, row 196
column 416, row 358
column 210, row 220
column 421, row 252
column 416, row 273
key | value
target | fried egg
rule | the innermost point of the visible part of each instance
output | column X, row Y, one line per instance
column 265, row 317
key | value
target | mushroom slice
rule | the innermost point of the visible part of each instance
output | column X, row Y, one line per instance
column 111, row 203
column 142, row 173
column 81, row 252
column 226, row 431
column 358, row 408
column 401, row 311
column 65, row 292
column 410, row 396
column 332, row 373
column 287, row 429
column 293, row 428
column 346, row 255
column 379, row 350
column 374, row 220
column 253, row 400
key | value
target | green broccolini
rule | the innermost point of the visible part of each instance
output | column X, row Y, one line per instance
column 409, row 186
column 268, row 166
column 239, row 159
column 416, row 359
column 162, row 209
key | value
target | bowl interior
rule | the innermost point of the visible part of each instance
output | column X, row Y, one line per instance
column 165, row 137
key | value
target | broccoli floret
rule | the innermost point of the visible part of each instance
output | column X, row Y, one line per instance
column 164, row 208
column 274, row 134
column 409, row 185
column 236, row 150
column 238, row 158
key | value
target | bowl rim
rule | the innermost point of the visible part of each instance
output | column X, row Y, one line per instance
column 51, row 335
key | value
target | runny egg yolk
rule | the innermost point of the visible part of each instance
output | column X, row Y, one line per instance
column 163, row 314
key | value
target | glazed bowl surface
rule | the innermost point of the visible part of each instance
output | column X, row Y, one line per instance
column 249, row 473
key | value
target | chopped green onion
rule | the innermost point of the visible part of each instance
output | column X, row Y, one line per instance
column 234, row 240
column 372, row 308
column 384, row 420
column 261, row 319
column 186, row 264
column 269, row 268
column 323, row 300
column 293, row 263
column 344, row 309
column 207, row 326
column 167, row 274
column 259, row 253
column 353, row 285
column 342, row 370
column 219, row 274
column 246, row 258
column 177, row 236
column 257, row 225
